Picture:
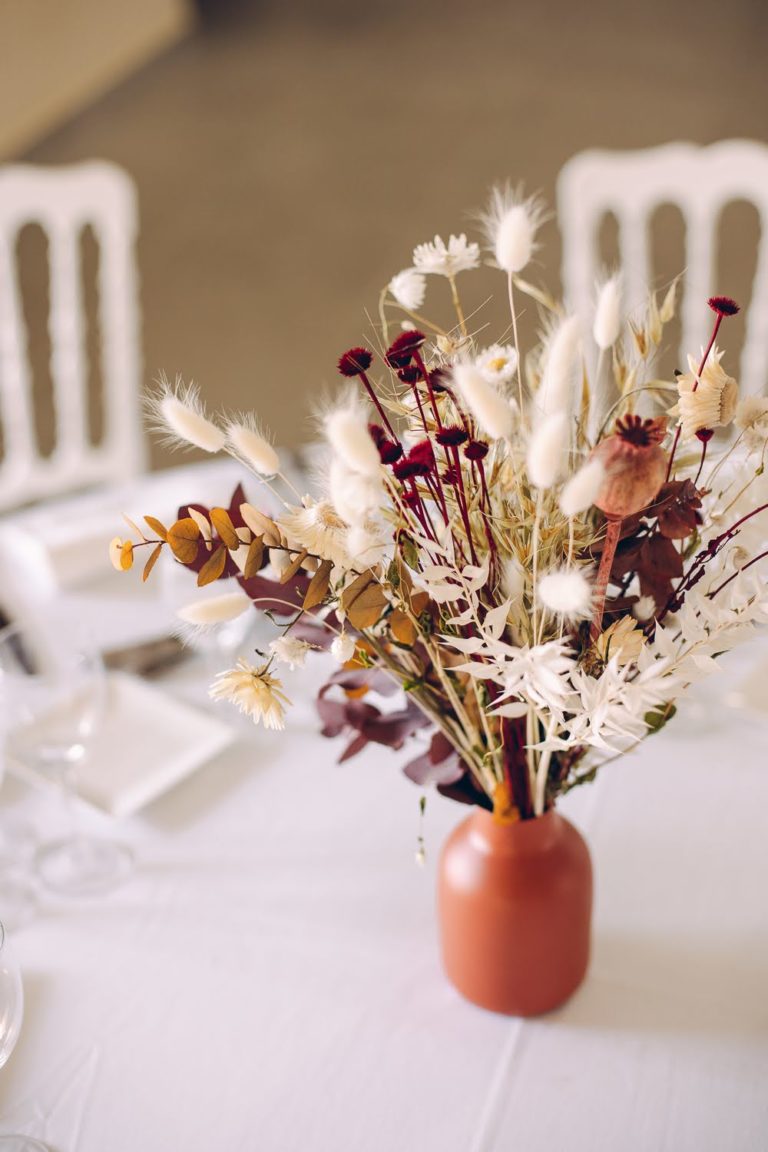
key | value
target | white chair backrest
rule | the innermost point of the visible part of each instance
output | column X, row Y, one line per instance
column 63, row 201
column 700, row 181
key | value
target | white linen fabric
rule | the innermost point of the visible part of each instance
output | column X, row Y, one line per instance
column 269, row 979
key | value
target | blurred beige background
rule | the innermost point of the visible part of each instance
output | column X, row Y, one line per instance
column 288, row 156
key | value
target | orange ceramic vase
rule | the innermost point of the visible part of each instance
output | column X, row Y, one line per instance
column 515, row 903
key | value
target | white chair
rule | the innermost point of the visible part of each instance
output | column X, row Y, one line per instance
column 700, row 181
column 63, row 201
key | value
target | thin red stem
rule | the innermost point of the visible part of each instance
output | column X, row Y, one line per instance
column 378, row 406
column 725, row 583
column 612, row 537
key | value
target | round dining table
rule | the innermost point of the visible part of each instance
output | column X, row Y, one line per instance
column 268, row 979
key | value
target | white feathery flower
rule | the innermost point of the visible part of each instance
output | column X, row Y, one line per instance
column 511, row 224
column 316, row 527
column 566, row 592
column 179, row 415
column 561, row 368
column 343, row 648
column 498, row 363
column 248, row 443
column 541, row 673
column 437, row 258
column 495, row 414
column 751, row 419
column 607, row 323
column 365, row 547
column 580, row 492
column 644, row 608
column 547, row 450
column 290, row 650
column 348, row 435
column 712, row 404
column 254, row 691
column 409, row 288
column 355, row 497
column 214, row 610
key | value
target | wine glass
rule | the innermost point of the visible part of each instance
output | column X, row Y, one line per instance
column 54, row 696
column 11, row 1014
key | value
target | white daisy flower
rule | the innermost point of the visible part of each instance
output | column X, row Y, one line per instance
column 437, row 258
column 290, row 650
column 498, row 363
column 254, row 692
column 409, row 288
column 318, row 528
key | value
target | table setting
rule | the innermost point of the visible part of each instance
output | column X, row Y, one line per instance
column 406, row 793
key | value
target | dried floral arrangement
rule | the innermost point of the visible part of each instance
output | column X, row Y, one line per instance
column 532, row 555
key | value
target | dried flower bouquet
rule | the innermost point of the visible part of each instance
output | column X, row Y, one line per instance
column 541, row 568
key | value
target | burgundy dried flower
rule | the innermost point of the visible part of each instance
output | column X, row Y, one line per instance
column 476, row 450
column 723, row 305
column 405, row 469
column 451, row 436
column 378, row 435
column 409, row 374
column 400, row 352
column 635, row 466
column 451, row 475
column 423, row 454
column 411, row 499
column 389, row 451
column 355, row 362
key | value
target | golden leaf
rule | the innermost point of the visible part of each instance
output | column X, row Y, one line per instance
column 151, row 561
column 116, row 553
column 222, row 522
column 364, row 601
column 157, row 527
column 213, row 567
column 402, row 628
column 318, row 586
column 183, row 537
column 293, row 567
column 126, row 555
column 134, row 527
column 261, row 525
column 254, row 558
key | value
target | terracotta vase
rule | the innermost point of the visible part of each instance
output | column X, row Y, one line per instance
column 515, row 903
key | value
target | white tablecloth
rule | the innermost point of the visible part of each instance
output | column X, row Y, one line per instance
column 269, row 979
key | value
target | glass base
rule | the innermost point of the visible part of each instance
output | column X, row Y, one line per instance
column 83, row 866
column 21, row 1144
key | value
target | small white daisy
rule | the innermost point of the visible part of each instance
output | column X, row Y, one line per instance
column 498, row 363
column 437, row 258
column 409, row 288
column 254, row 692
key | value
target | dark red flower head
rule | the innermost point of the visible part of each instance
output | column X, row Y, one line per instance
column 409, row 375
column 355, row 362
column 400, row 352
column 451, row 436
column 423, row 453
column 451, row 475
column 389, row 451
column 723, row 305
column 378, row 435
column 642, row 433
column 476, row 450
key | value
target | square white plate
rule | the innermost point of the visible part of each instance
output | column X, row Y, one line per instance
column 147, row 743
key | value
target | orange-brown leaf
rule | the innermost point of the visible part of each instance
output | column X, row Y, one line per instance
column 402, row 628
column 151, row 561
column 183, row 537
column 213, row 567
column 293, row 567
column 157, row 526
column 222, row 522
column 364, row 601
column 254, row 558
column 318, row 586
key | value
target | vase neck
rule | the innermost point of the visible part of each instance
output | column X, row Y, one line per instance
column 524, row 837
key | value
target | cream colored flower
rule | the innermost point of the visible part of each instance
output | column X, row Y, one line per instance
column 408, row 288
column 437, row 258
column 712, row 404
column 291, row 651
column 317, row 528
column 254, row 692
column 622, row 642
column 498, row 363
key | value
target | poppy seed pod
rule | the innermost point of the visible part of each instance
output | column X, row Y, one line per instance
column 635, row 466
